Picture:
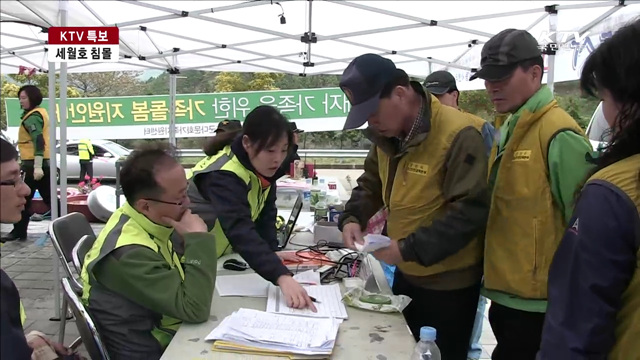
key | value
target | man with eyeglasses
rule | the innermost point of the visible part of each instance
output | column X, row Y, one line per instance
column 137, row 288
column 14, row 344
column 13, row 192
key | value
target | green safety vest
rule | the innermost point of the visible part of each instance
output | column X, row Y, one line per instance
column 23, row 315
column 85, row 149
column 132, row 233
column 224, row 160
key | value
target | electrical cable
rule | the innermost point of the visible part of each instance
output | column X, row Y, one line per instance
column 347, row 266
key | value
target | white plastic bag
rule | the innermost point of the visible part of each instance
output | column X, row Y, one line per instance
column 373, row 242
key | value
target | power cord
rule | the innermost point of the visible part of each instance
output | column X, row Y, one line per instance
column 348, row 265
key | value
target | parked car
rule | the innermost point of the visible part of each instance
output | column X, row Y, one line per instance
column 104, row 163
column 597, row 129
column 6, row 137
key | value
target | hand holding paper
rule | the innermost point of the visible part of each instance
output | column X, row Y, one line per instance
column 373, row 242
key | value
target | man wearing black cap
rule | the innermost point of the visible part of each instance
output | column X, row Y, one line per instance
column 426, row 175
column 535, row 169
column 228, row 126
column 443, row 85
column 293, row 155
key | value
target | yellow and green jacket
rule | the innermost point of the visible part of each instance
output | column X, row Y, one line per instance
column 536, row 167
column 85, row 150
column 239, row 207
column 33, row 135
column 137, row 289
column 13, row 344
column 435, row 190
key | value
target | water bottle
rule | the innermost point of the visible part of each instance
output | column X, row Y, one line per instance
column 306, row 200
column 426, row 348
column 321, row 210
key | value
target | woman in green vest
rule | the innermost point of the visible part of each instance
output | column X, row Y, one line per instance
column 594, row 280
column 233, row 190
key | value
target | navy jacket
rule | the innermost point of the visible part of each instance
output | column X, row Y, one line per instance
column 255, row 241
column 590, row 270
column 13, row 342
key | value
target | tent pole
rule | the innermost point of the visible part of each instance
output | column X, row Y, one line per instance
column 63, row 120
column 309, row 30
column 553, row 26
column 53, row 181
column 172, row 105
column 63, row 154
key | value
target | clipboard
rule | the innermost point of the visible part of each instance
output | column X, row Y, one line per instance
column 229, row 347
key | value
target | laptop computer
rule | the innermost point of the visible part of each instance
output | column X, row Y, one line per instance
column 285, row 234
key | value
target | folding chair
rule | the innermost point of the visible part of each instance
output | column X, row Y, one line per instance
column 65, row 232
column 86, row 327
column 80, row 251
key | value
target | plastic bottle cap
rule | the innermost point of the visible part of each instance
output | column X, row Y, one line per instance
column 428, row 333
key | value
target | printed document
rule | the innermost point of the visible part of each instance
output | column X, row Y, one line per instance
column 328, row 296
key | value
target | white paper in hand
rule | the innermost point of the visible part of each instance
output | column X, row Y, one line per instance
column 373, row 242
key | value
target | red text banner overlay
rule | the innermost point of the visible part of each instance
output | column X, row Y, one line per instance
column 83, row 44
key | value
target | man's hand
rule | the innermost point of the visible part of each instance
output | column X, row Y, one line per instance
column 289, row 256
column 37, row 340
column 38, row 173
column 188, row 223
column 390, row 255
column 295, row 294
column 352, row 234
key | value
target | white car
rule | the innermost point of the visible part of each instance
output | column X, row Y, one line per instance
column 597, row 129
column 104, row 163
column 6, row 137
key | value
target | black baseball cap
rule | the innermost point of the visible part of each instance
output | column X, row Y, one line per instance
column 440, row 82
column 294, row 128
column 501, row 55
column 362, row 82
column 229, row 125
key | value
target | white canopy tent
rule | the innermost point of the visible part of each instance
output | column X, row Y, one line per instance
column 301, row 37
column 319, row 37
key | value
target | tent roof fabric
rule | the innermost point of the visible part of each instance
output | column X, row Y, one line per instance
column 248, row 36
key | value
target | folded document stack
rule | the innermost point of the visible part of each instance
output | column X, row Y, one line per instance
column 258, row 332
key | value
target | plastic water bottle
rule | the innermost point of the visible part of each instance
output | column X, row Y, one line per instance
column 306, row 200
column 426, row 348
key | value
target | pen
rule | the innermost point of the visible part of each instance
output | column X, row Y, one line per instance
column 314, row 300
column 307, row 283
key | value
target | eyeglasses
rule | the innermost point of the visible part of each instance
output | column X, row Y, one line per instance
column 14, row 183
column 180, row 203
column 185, row 196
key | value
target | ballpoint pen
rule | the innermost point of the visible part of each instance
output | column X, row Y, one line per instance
column 314, row 300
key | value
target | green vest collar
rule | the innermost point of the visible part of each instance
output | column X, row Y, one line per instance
column 539, row 100
column 158, row 231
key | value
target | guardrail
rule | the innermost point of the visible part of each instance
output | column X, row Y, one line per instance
column 304, row 153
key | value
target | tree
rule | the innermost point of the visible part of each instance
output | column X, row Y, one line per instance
column 114, row 83
column 229, row 82
column 12, row 83
column 477, row 102
column 235, row 82
column 264, row 81
column 188, row 82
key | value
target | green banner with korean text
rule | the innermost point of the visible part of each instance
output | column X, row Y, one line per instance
column 196, row 114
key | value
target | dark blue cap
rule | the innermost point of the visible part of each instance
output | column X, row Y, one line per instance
column 362, row 82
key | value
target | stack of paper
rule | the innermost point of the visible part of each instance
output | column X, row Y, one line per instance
column 258, row 332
